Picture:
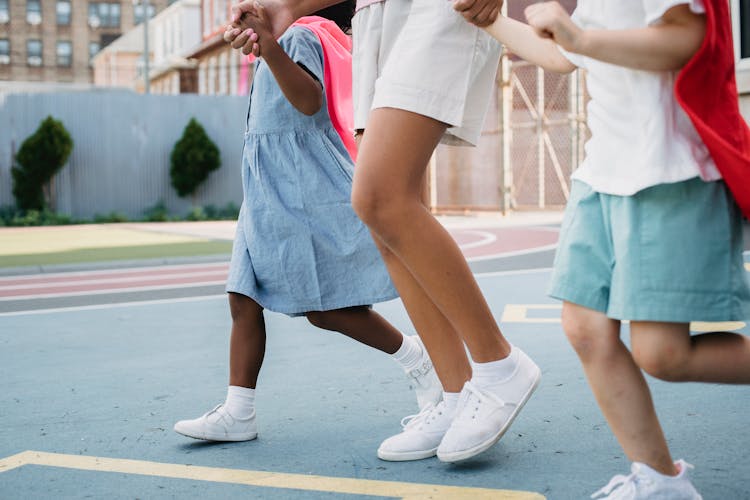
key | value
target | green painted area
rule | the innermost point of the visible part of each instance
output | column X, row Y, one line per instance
column 187, row 249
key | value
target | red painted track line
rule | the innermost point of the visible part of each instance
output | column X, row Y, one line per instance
column 477, row 243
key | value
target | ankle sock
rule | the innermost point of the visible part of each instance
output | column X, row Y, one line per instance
column 487, row 374
column 409, row 354
column 450, row 400
column 240, row 401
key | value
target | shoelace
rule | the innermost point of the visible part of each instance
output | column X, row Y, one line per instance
column 419, row 372
column 411, row 421
column 471, row 397
column 625, row 486
column 221, row 414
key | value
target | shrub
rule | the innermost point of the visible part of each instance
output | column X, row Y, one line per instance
column 40, row 157
column 111, row 217
column 194, row 157
column 156, row 213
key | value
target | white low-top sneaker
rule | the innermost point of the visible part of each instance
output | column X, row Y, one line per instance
column 644, row 483
column 484, row 414
column 424, row 380
column 420, row 436
column 219, row 425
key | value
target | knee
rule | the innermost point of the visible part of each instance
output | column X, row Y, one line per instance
column 375, row 207
column 590, row 339
column 320, row 319
column 240, row 307
column 661, row 361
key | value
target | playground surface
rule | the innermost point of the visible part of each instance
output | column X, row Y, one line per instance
column 99, row 358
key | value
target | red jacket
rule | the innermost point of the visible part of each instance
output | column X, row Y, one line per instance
column 707, row 91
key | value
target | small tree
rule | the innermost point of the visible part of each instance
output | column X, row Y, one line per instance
column 39, row 159
column 194, row 157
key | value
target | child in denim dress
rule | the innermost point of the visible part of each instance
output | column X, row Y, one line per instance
column 300, row 248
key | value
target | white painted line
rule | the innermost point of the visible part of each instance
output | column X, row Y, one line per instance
column 115, row 305
column 122, row 270
column 486, row 239
column 112, row 290
column 128, row 279
column 513, row 273
column 513, row 254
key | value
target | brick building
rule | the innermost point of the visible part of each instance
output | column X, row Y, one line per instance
column 221, row 69
column 54, row 40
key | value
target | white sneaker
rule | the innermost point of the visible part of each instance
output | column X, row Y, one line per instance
column 219, row 425
column 424, row 380
column 420, row 437
column 482, row 417
column 645, row 483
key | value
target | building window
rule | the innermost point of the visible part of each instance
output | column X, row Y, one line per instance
column 93, row 49
column 741, row 27
column 64, row 53
column 34, row 52
column 221, row 13
column 4, row 12
column 63, row 12
column 744, row 28
column 138, row 12
column 104, row 15
column 4, row 51
column 33, row 12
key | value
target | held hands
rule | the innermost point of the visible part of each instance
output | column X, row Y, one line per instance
column 479, row 12
column 551, row 20
column 274, row 15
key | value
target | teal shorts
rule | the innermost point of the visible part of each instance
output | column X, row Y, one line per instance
column 672, row 253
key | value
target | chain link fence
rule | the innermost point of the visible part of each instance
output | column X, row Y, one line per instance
column 532, row 141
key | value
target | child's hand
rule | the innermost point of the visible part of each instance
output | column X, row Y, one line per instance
column 551, row 20
column 479, row 12
column 250, row 30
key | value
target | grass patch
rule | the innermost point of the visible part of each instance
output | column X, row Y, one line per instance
column 188, row 249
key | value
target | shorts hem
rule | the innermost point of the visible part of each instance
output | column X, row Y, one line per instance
column 571, row 294
column 424, row 102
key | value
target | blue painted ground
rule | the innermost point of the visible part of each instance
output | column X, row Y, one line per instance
column 112, row 382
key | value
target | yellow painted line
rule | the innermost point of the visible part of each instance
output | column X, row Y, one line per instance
column 407, row 491
column 747, row 267
column 33, row 240
column 519, row 313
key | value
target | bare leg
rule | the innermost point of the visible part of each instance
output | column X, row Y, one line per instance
column 667, row 351
column 618, row 385
column 247, row 345
column 387, row 196
column 440, row 338
column 361, row 324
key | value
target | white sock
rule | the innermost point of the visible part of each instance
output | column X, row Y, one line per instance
column 450, row 400
column 240, row 401
column 409, row 354
column 487, row 374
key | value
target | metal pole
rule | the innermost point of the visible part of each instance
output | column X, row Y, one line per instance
column 146, row 77
column 506, row 130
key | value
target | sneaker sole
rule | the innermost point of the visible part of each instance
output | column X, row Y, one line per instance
column 458, row 456
column 394, row 456
column 216, row 437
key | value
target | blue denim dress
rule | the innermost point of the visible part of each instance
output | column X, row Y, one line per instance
column 299, row 245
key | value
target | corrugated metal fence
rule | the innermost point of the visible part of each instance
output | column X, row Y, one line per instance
column 122, row 144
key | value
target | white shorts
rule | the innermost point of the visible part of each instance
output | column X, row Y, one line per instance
column 442, row 66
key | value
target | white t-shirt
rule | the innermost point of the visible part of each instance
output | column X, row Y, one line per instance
column 640, row 136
